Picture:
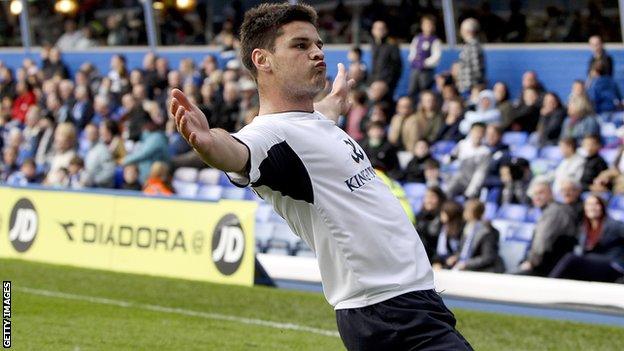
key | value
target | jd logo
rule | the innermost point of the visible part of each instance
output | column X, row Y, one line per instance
column 228, row 245
column 358, row 154
column 23, row 225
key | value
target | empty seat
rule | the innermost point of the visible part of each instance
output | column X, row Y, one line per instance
column 617, row 215
column 185, row 189
column 551, row 153
column 512, row 212
column 186, row 174
column 210, row 192
column 263, row 234
column 209, row 176
column 414, row 190
column 490, row 210
column 527, row 152
column 512, row 253
column 609, row 155
column 233, row 193
column 617, row 202
column 515, row 138
column 533, row 214
column 523, row 232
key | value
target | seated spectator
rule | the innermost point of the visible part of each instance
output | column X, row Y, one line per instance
column 381, row 153
column 88, row 140
column 63, row 151
column 76, row 173
column 473, row 157
column 580, row 121
column 415, row 169
column 551, row 118
column 134, row 118
column 428, row 224
column 600, row 254
column 471, row 68
column 525, row 116
column 99, row 167
column 531, row 81
column 449, row 130
column 26, row 175
column 449, row 239
column 572, row 165
column 499, row 154
column 403, row 131
column 355, row 60
column 131, row 178
column 513, row 175
column 82, row 111
column 9, row 163
column 479, row 243
column 503, row 103
column 594, row 163
column 486, row 112
column 153, row 147
column 428, row 116
column 25, row 98
column 555, row 231
column 158, row 181
column 602, row 90
column 472, row 145
column 111, row 137
column 356, row 115
column 578, row 91
column 571, row 196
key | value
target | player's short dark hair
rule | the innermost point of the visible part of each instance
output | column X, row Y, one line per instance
column 262, row 25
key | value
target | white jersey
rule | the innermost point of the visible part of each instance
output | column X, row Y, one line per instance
column 321, row 182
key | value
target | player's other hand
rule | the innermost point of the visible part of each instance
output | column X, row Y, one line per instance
column 190, row 122
column 341, row 88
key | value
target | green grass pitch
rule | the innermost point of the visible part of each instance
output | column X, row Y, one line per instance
column 65, row 308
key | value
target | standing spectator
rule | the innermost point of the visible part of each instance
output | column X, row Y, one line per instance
column 555, row 231
column 602, row 89
column 599, row 54
column 471, row 58
column 386, row 62
column 66, row 94
column 71, row 35
column 25, row 98
column 424, row 56
column 594, row 163
column 486, row 112
column 415, row 169
column 449, row 239
column 580, row 121
column 551, row 118
column 525, row 116
column 428, row 224
column 503, row 103
column 403, row 128
column 572, row 165
column 52, row 64
column 381, row 153
column 600, row 255
column 479, row 243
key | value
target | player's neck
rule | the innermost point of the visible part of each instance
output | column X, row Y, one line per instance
column 276, row 101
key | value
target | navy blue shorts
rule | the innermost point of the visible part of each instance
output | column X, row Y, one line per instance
column 418, row 320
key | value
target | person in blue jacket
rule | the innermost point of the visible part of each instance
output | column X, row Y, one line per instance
column 153, row 146
column 602, row 89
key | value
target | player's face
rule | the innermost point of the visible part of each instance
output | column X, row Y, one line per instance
column 298, row 59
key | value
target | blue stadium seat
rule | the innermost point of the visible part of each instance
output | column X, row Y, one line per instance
column 617, row 202
column 233, row 193
column 542, row 166
column 523, row 232
column 512, row 253
column 224, row 180
column 492, row 195
column 442, row 147
column 533, row 214
column 118, row 179
column 608, row 129
column 186, row 174
column 551, row 153
column 283, row 241
column 512, row 212
column 525, row 151
column 609, row 155
column 617, row 215
column 185, row 189
column 263, row 234
column 414, row 190
column 210, row 192
column 515, row 138
column 490, row 210
column 209, row 176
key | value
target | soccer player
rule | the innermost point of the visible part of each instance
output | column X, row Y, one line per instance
column 373, row 265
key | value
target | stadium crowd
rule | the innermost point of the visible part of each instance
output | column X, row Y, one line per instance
column 466, row 147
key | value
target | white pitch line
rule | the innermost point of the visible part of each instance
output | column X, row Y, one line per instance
column 157, row 308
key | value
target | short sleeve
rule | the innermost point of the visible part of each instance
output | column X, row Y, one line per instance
column 258, row 138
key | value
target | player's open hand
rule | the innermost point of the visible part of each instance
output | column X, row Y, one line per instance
column 341, row 88
column 190, row 121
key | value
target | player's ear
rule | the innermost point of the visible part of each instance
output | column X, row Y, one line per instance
column 261, row 60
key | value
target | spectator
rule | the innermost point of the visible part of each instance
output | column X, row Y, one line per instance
column 571, row 196
column 63, row 152
column 88, row 139
column 131, row 178
column 118, row 76
column 602, row 89
column 82, row 112
column 111, row 137
column 158, row 181
column 428, row 116
column 75, row 173
column 66, row 95
column 486, row 112
column 403, row 131
column 514, row 182
column 449, row 239
column 99, row 164
column 516, row 24
column 472, row 156
column 449, row 130
column 386, row 63
column 415, row 170
column 424, row 56
column 25, row 98
column 135, row 117
column 428, row 224
column 9, row 163
column 578, row 91
column 7, row 85
column 479, row 243
column 225, row 114
column 27, row 174
column 356, row 64
column 594, row 163
column 499, row 154
column 580, row 122
column 52, row 65
column 572, row 165
column 503, row 104
column 525, row 116
column 70, row 36
column 612, row 179
column 471, row 58
column 551, row 118
column 555, row 231
column 599, row 54
column 356, row 115
column 381, row 153
column 531, row 81
column 600, row 254
column 153, row 147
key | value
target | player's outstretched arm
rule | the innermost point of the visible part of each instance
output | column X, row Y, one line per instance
column 216, row 147
column 337, row 102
